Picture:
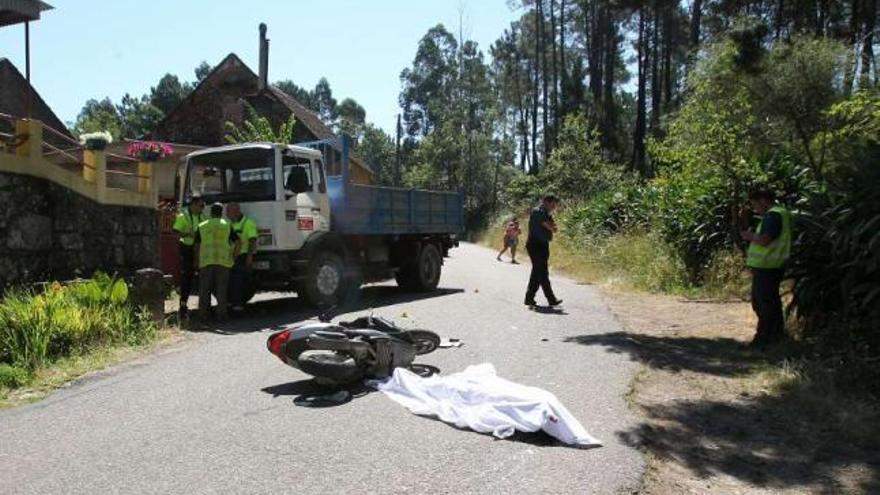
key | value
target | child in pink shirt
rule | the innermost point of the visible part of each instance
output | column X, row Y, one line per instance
column 511, row 240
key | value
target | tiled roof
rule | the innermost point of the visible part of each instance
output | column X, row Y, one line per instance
column 13, row 98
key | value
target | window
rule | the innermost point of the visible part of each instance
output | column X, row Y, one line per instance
column 297, row 174
column 237, row 175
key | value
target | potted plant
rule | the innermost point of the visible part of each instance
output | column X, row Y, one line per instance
column 96, row 141
column 149, row 151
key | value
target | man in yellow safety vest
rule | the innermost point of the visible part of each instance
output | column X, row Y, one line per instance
column 239, row 278
column 187, row 224
column 769, row 249
column 216, row 246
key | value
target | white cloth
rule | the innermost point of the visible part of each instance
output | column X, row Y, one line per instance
column 479, row 399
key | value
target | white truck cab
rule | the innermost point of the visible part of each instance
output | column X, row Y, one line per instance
column 286, row 211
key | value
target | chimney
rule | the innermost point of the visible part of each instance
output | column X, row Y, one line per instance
column 263, row 83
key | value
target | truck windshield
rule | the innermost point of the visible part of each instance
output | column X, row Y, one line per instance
column 235, row 175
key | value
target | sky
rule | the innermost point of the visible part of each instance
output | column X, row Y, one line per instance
column 89, row 49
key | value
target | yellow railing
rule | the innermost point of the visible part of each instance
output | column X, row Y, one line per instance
column 32, row 148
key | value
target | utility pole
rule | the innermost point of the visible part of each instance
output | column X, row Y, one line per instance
column 397, row 154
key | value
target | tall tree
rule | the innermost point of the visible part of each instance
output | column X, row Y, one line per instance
column 168, row 93
column 427, row 85
column 202, row 71
column 325, row 101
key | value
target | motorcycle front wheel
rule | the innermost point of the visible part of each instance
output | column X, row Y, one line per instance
column 425, row 341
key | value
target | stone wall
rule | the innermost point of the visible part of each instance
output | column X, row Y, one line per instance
column 52, row 233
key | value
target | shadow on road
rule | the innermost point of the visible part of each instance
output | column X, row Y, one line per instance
column 703, row 355
column 289, row 309
column 309, row 393
column 775, row 439
column 546, row 310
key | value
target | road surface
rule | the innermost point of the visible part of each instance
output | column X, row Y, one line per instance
column 216, row 413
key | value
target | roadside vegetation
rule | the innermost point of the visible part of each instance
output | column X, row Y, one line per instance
column 52, row 334
column 755, row 113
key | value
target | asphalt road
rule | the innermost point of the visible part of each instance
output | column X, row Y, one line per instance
column 216, row 413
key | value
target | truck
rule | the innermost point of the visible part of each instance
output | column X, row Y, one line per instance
column 319, row 233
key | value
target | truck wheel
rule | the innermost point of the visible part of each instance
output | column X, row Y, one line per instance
column 427, row 274
column 325, row 284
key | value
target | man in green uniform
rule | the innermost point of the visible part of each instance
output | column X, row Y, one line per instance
column 769, row 249
column 239, row 278
column 187, row 224
column 216, row 246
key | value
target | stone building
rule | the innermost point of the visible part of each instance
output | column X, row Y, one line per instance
column 222, row 96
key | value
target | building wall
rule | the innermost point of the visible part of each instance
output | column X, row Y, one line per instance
column 53, row 233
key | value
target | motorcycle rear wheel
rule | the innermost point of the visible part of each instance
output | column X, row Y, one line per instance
column 337, row 367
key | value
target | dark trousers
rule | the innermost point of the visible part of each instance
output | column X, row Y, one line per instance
column 213, row 280
column 239, row 278
column 767, row 304
column 539, row 253
column 187, row 257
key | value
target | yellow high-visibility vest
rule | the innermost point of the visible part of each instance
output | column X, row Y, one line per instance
column 775, row 254
column 214, row 246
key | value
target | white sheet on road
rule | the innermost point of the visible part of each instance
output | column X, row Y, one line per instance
column 479, row 399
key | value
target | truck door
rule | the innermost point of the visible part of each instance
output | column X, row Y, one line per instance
column 304, row 203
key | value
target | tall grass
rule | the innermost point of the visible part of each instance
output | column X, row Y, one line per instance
column 38, row 327
column 636, row 259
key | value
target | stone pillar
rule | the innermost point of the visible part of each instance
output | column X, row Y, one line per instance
column 145, row 176
column 95, row 171
column 150, row 289
column 33, row 129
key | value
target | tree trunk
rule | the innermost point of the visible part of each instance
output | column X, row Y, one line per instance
column 555, row 70
column 656, row 85
column 545, row 103
column 696, row 15
column 669, row 40
column 595, row 49
column 563, row 71
column 777, row 23
column 534, row 168
column 608, row 86
column 849, row 70
column 638, row 156
column 868, row 43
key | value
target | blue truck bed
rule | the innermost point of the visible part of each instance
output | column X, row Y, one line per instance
column 368, row 209
column 362, row 209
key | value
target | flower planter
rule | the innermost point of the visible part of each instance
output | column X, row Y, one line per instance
column 96, row 144
column 150, row 156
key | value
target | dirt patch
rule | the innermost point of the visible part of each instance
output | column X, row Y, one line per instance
column 719, row 418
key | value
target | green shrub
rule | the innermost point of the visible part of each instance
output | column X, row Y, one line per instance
column 13, row 377
column 39, row 327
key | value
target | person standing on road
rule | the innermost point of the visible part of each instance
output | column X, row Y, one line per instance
column 239, row 278
column 216, row 246
column 541, row 229
column 769, row 249
column 187, row 224
column 511, row 239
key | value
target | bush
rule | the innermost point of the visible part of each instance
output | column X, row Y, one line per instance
column 13, row 377
column 39, row 327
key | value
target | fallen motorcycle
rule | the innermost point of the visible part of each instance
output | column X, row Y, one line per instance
column 346, row 352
